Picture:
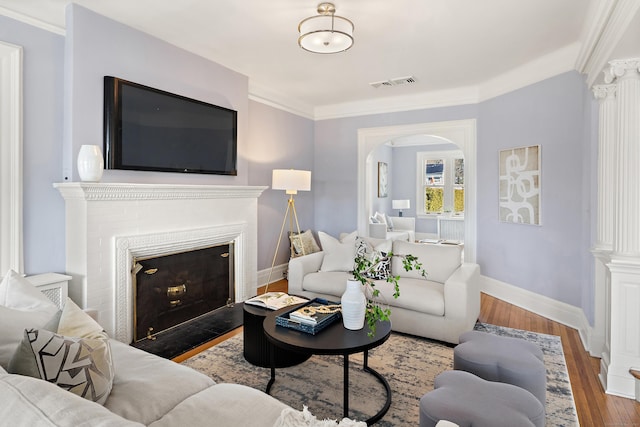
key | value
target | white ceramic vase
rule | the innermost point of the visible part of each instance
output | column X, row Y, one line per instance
column 354, row 305
column 90, row 163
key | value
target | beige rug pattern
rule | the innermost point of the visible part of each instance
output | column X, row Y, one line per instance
column 408, row 363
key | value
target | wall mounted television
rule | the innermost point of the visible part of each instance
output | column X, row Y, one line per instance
column 149, row 129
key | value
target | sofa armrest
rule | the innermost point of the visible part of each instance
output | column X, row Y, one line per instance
column 462, row 292
column 403, row 223
column 300, row 267
column 378, row 231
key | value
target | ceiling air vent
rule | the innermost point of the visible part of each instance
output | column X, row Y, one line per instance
column 398, row 81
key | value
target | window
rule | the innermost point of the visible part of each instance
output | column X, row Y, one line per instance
column 441, row 182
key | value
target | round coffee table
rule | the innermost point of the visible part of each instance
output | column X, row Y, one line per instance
column 257, row 349
column 334, row 340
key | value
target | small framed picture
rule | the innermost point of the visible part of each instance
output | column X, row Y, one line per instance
column 383, row 180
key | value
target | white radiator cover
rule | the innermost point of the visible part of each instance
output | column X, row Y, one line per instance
column 451, row 228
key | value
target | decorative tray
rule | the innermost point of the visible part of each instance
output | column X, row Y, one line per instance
column 311, row 317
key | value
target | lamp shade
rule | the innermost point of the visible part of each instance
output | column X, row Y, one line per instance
column 400, row 204
column 291, row 180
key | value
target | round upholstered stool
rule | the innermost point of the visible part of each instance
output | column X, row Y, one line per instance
column 504, row 359
column 464, row 399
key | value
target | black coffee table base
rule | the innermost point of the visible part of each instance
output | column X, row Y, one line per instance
column 366, row 368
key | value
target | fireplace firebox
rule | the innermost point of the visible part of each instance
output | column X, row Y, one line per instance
column 173, row 289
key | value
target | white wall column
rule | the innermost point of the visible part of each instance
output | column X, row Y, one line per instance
column 606, row 95
column 624, row 267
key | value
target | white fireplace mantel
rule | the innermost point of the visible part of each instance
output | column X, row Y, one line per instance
column 100, row 215
column 92, row 191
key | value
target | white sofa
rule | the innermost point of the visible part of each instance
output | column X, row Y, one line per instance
column 147, row 390
column 440, row 307
column 402, row 228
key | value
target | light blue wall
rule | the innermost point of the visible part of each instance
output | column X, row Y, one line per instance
column 278, row 140
column 43, row 54
column 97, row 46
column 552, row 259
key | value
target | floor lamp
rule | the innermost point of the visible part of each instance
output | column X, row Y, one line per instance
column 291, row 181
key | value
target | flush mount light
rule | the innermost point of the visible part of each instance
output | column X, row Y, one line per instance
column 325, row 33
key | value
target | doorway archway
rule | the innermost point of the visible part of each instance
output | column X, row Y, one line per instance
column 460, row 132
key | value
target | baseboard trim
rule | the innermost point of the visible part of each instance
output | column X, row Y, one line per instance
column 279, row 273
column 544, row 306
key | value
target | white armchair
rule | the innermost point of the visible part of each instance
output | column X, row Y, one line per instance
column 404, row 228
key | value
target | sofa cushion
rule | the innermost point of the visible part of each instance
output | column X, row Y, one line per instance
column 28, row 401
column 424, row 296
column 439, row 261
column 330, row 283
column 22, row 307
column 225, row 405
column 338, row 254
column 82, row 366
column 146, row 387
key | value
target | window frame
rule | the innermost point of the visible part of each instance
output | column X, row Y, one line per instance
column 448, row 157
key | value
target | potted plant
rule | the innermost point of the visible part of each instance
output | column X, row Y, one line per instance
column 367, row 267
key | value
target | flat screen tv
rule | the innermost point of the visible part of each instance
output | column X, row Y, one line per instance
column 152, row 130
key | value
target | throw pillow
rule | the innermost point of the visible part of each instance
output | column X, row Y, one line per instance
column 82, row 366
column 22, row 306
column 303, row 243
column 76, row 323
column 382, row 218
column 377, row 255
column 338, row 255
column 289, row 417
column 389, row 222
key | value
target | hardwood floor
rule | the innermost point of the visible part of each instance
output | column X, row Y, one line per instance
column 594, row 407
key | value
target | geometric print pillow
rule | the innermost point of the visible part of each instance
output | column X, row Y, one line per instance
column 82, row 366
column 381, row 268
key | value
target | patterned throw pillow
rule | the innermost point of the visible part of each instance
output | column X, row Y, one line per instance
column 382, row 268
column 304, row 243
column 82, row 366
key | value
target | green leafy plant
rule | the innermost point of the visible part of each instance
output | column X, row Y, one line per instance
column 364, row 268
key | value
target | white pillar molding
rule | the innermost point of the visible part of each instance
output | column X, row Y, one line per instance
column 599, row 339
column 606, row 95
column 627, row 227
column 622, row 349
column 11, row 256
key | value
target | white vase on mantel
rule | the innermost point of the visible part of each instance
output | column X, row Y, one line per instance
column 90, row 163
column 354, row 305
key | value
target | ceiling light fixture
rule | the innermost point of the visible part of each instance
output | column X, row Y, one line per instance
column 325, row 33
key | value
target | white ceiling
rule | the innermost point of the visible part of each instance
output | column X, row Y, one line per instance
column 460, row 48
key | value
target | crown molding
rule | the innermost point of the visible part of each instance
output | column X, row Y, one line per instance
column 32, row 21
column 269, row 97
column 608, row 25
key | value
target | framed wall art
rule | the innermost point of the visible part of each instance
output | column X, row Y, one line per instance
column 519, row 185
column 383, row 180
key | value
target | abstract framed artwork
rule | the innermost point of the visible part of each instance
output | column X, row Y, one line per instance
column 519, row 185
column 383, row 180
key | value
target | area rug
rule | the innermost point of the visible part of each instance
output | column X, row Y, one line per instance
column 408, row 363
